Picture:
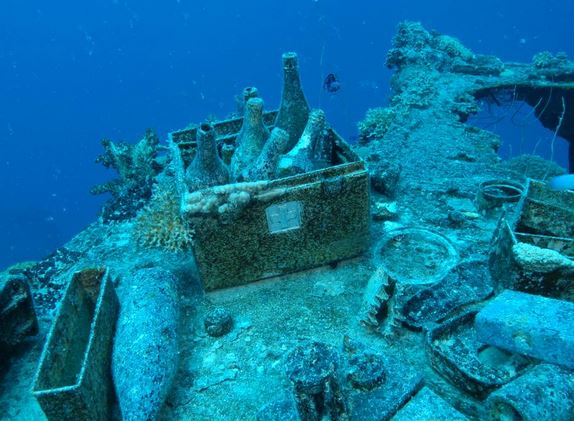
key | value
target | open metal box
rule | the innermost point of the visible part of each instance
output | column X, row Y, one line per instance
column 544, row 219
column 286, row 225
column 73, row 381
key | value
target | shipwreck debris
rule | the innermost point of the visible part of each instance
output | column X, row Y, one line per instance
column 145, row 351
column 456, row 353
column 18, row 321
column 531, row 325
column 73, row 380
column 544, row 393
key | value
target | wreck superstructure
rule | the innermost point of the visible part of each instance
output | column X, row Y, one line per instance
column 439, row 233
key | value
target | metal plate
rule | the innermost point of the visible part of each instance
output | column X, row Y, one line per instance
column 284, row 217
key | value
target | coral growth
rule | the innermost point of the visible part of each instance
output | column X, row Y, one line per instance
column 452, row 47
column 424, row 59
column 223, row 202
column 137, row 166
column 533, row 166
column 159, row 224
column 375, row 124
column 546, row 59
column 538, row 259
column 413, row 44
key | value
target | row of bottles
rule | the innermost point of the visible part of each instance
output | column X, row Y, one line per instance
column 300, row 141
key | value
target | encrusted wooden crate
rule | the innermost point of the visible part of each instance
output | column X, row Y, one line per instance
column 283, row 225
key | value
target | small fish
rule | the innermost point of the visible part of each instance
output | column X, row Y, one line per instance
column 563, row 182
column 331, row 83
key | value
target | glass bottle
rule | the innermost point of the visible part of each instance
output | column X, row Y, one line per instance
column 250, row 92
column 240, row 100
column 265, row 167
column 227, row 151
column 251, row 138
column 300, row 158
column 207, row 169
column 293, row 110
column 324, row 150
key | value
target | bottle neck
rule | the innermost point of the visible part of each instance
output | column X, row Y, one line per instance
column 315, row 125
column 206, row 147
column 254, row 117
column 291, row 82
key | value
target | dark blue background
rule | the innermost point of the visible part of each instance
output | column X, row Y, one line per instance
column 74, row 72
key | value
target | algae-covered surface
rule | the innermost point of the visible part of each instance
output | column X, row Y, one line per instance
column 426, row 164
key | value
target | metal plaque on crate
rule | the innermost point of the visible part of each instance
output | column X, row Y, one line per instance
column 284, row 217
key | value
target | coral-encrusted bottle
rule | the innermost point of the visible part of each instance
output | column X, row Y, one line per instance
column 207, row 169
column 251, row 138
column 248, row 93
column 300, row 158
column 227, row 151
column 323, row 150
column 293, row 111
column 265, row 167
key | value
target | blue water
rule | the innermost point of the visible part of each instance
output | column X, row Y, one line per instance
column 72, row 73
